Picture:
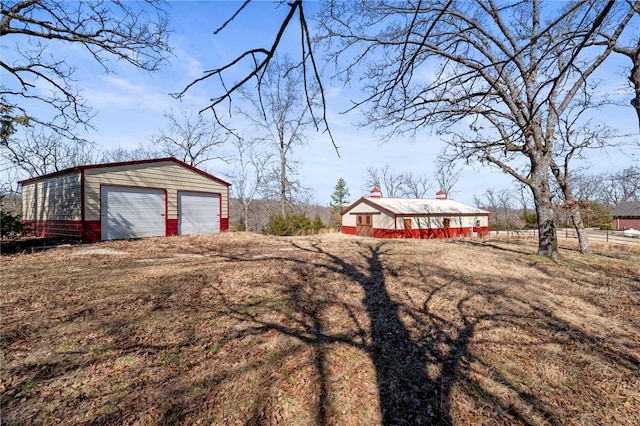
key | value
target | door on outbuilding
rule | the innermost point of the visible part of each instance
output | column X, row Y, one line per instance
column 364, row 225
column 128, row 212
column 198, row 213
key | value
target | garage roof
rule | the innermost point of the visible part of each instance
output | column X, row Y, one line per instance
column 125, row 163
column 418, row 206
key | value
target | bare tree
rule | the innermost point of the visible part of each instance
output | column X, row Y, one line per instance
column 415, row 186
column 118, row 154
column 505, row 202
column 36, row 72
column 500, row 204
column 40, row 152
column 523, row 195
column 447, row 177
column 586, row 187
column 619, row 186
column 260, row 62
column 396, row 185
column 629, row 179
column 250, row 171
column 281, row 113
column 388, row 181
column 192, row 139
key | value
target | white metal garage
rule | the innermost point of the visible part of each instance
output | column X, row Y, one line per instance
column 132, row 212
column 198, row 213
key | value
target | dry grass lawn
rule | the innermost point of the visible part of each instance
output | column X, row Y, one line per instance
column 248, row 329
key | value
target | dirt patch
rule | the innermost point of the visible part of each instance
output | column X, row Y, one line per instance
column 97, row 251
column 247, row 329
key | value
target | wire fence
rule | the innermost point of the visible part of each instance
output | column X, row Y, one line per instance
column 598, row 235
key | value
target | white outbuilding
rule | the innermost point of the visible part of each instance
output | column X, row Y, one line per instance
column 379, row 217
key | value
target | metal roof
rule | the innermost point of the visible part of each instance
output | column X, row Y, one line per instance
column 627, row 208
column 419, row 206
column 124, row 163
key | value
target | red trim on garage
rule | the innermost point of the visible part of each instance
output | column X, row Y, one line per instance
column 54, row 228
column 92, row 231
column 224, row 224
column 172, row 227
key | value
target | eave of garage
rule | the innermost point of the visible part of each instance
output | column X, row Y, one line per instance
column 123, row 163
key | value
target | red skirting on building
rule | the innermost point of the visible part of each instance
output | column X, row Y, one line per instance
column 88, row 231
column 71, row 229
column 424, row 234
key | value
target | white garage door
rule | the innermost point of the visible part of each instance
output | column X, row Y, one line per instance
column 198, row 213
column 132, row 212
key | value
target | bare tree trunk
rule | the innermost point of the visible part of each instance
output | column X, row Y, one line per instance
column 634, row 78
column 547, row 238
column 246, row 216
column 583, row 238
column 283, row 179
column 547, row 235
column 573, row 207
column 571, row 204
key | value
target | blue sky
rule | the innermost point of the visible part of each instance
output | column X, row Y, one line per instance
column 130, row 106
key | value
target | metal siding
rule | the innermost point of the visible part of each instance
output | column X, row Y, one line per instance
column 56, row 198
column 384, row 221
column 198, row 213
column 349, row 220
column 169, row 175
column 132, row 212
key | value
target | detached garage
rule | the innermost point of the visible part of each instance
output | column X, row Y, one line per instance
column 134, row 199
column 379, row 217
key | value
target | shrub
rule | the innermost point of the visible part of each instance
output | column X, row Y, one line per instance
column 291, row 225
column 530, row 220
column 240, row 225
column 317, row 224
column 10, row 225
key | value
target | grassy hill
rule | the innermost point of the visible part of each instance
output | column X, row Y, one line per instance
column 248, row 329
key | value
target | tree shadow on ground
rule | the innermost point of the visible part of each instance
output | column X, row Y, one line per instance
column 408, row 394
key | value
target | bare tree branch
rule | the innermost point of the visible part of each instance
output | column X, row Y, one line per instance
column 261, row 57
column 194, row 140
column 37, row 74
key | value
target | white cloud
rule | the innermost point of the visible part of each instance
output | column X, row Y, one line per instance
column 116, row 92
